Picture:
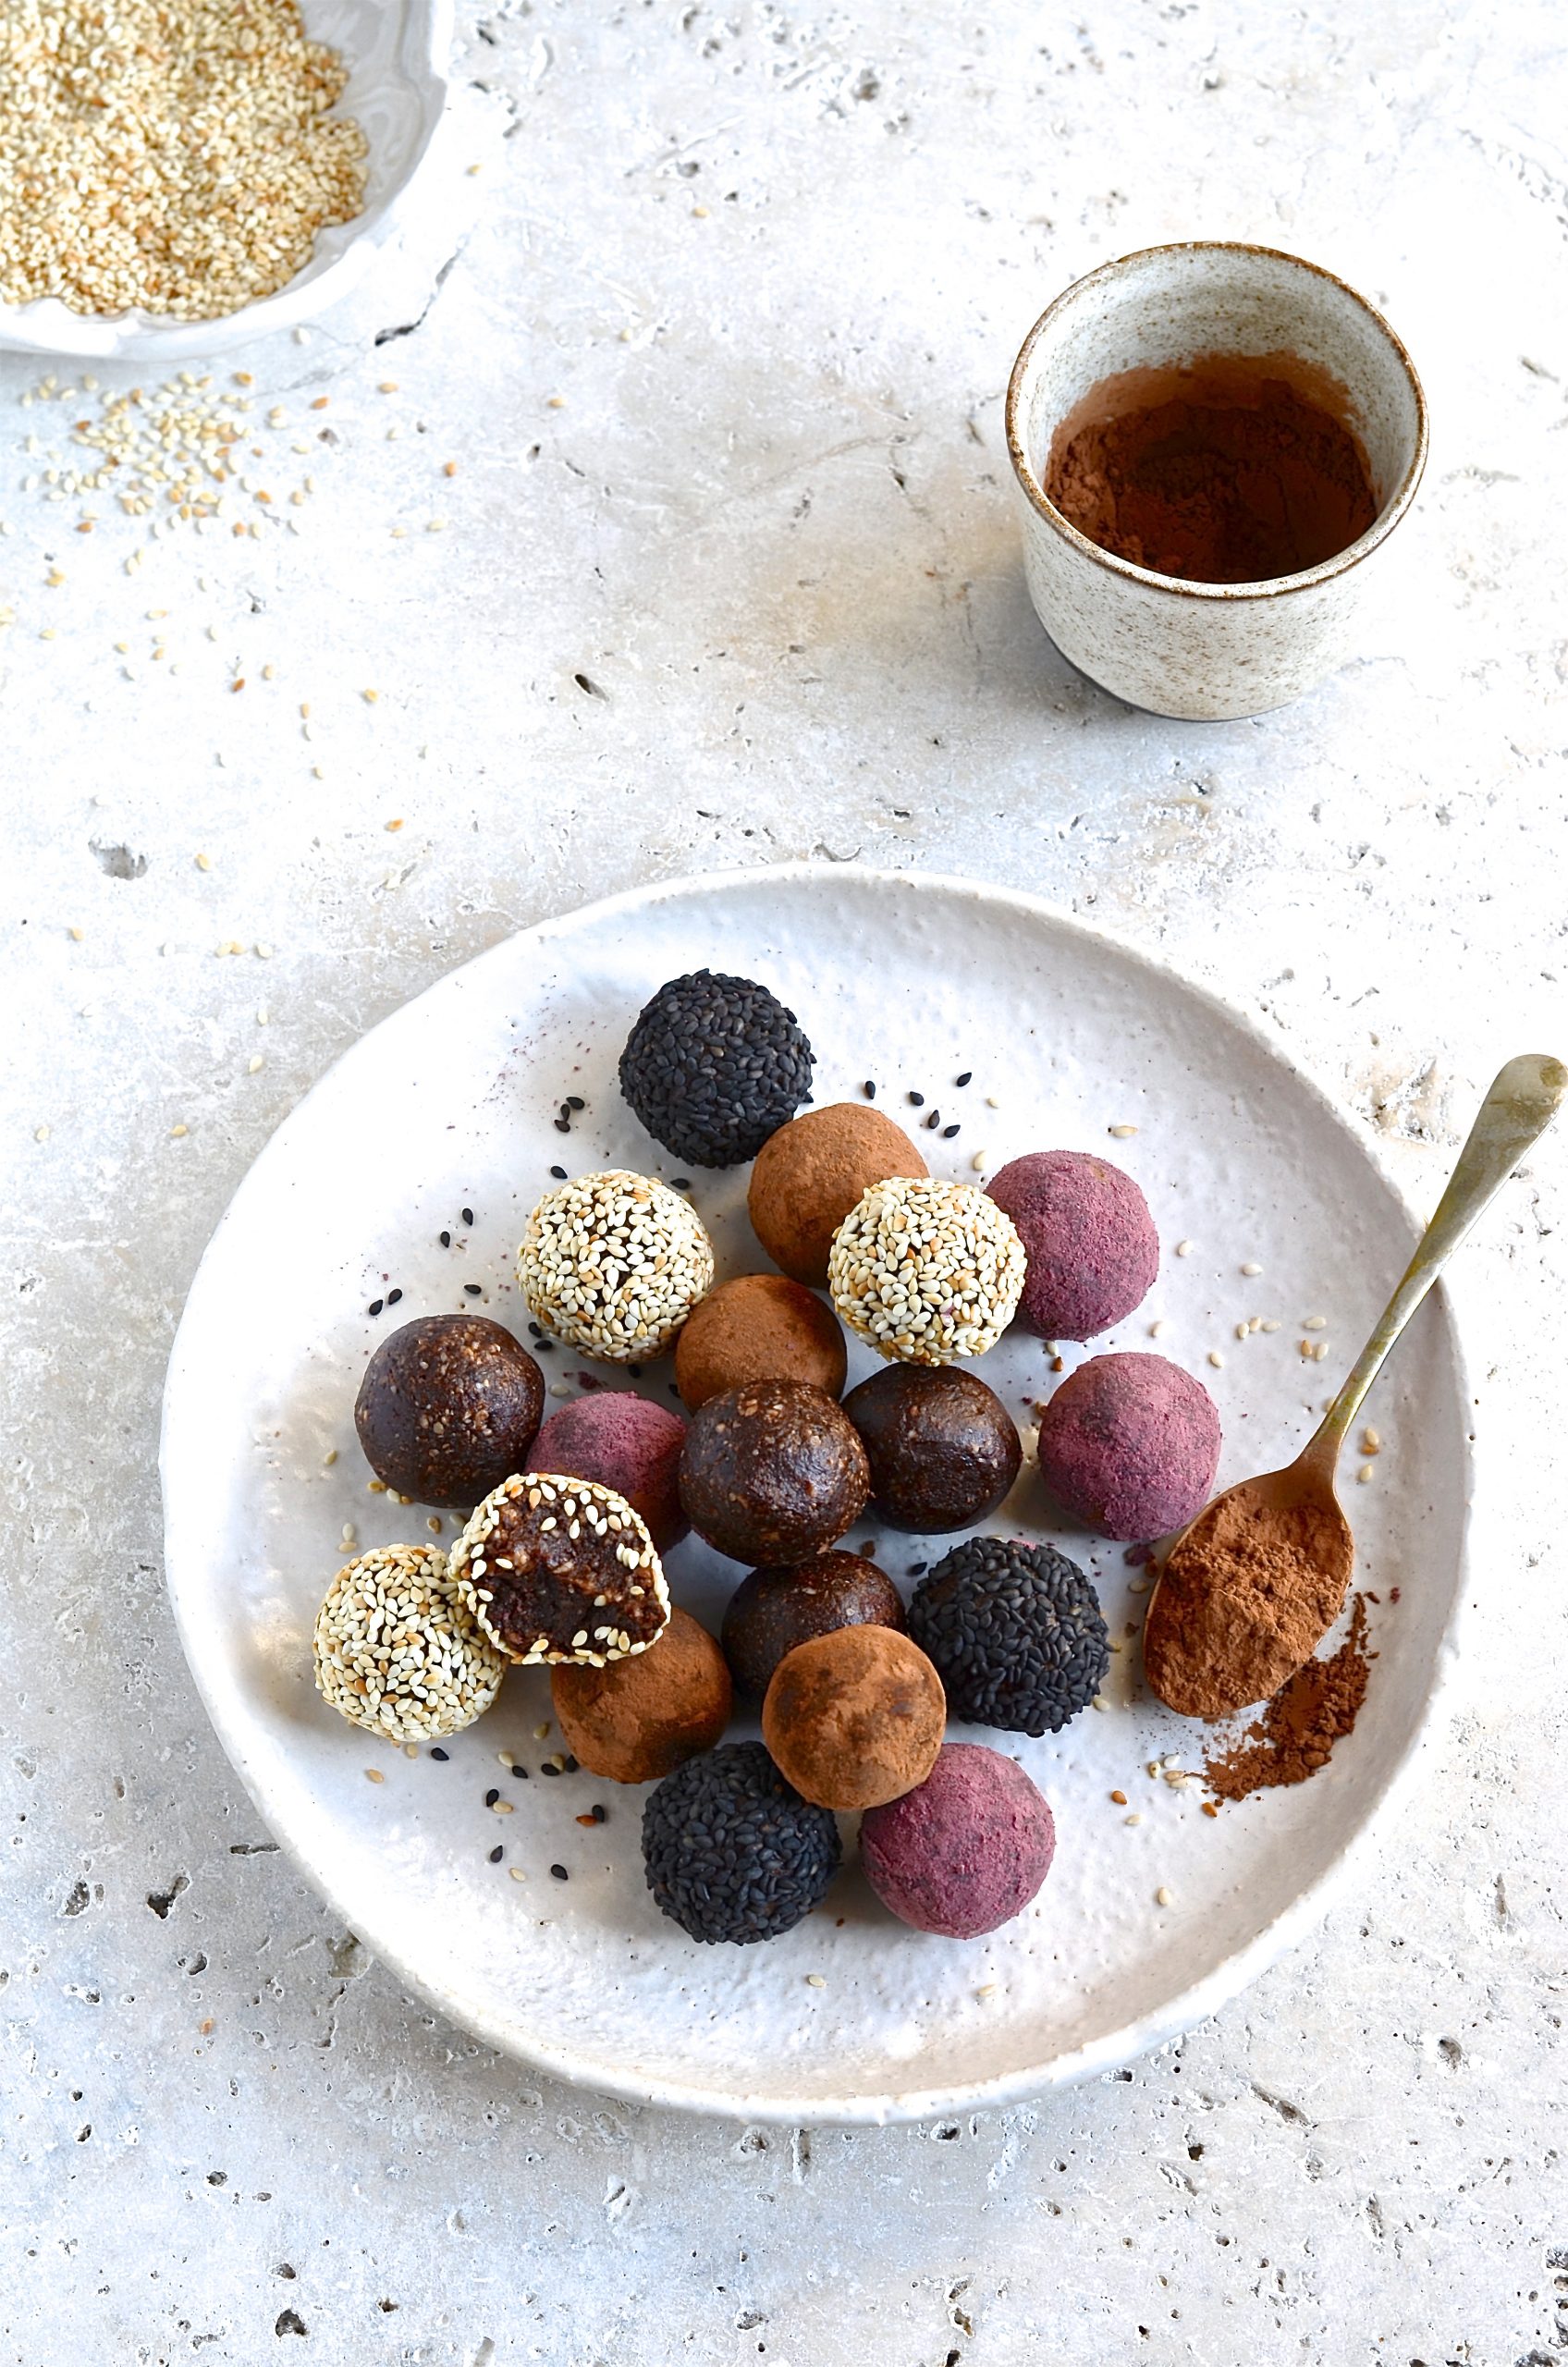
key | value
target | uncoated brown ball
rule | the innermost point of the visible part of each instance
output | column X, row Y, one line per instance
column 943, row 1448
column 809, row 1175
column 637, row 1719
column 772, row 1472
column 772, row 1610
column 449, row 1408
column 760, row 1326
column 856, row 1718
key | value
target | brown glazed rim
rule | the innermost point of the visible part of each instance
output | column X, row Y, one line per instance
column 1270, row 588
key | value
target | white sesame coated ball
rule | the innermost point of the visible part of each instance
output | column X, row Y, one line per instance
column 398, row 1650
column 928, row 1272
column 613, row 1264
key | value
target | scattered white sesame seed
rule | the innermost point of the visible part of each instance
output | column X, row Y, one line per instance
column 41, row 1133
column 1217, row 1361
column 1121, row 1133
column 541, row 1731
column 987, row 1989
column 1315, row 1323
column 816, row 1980
column 1371, row 1440
column 374, row 1775
column 253, row 1064
column 1367, row 1474
column 1158, row 1328
column 979, row 1163
column 1252, row 1270
column 1134, row 1819
column 1162, row 1898
column 517, row 1873
column 1185, row 1248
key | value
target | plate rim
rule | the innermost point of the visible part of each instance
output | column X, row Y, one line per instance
column 1132, row 2040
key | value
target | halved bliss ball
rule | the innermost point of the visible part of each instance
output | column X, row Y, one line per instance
column 560, row 1569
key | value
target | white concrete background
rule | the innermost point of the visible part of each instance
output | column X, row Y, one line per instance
column 773, row 263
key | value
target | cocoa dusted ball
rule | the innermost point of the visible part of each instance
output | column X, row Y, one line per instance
column 772, row 1610
column 772, row 1472
column 810, row 1174
column 447, row 1409
column 759, row 1327
column 943, row 1448
column 856, row 1718
column 635, row 1719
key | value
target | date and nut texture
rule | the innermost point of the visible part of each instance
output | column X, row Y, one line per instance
column 943, row 1449
column 773, row 1472
column 773, row 1610
column 449, row 1408
column 560, row 1569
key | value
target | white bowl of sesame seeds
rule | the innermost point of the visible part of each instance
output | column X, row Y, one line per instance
column 64, row 229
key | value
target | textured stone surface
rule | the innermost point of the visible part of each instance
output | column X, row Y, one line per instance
column 754, row 591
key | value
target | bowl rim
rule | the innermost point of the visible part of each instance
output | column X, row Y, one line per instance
column 1142, row 2033
column 138, row 336
column 1267, row 588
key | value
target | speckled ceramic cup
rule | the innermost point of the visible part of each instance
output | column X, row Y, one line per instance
column 1209, row 650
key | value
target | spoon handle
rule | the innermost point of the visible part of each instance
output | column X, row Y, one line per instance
column 1523, row 1099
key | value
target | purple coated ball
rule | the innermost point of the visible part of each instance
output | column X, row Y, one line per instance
column 964, row 1851
column 1129, row 1445
column 624, row 1442
column 1090, row 1245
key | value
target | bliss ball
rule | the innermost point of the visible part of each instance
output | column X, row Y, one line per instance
column 613, row 1264
column 1130, row 1445
column 759, row 1327
column 772, row 1472
column 928, row 1272
column 943, row 1449
column 636, row 1719
column 967, row 1850
column 555, row 1568
column 714, row 1065
column 854, row 1718
column 1088, row 1236
column 398, row 1652
column 809, row 1175
column 624, row 1442
column 772, row 1610
column 1014, row 1632
column 731, row 1851
column 448, row 1406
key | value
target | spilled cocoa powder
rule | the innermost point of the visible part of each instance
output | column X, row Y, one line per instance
column 1245, row 1598
column 1299, row 1728
column 1224, row 472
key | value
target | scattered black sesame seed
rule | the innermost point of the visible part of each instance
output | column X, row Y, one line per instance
column 495, row 1855
column 635, row 1371
column 559, row 1174
column 598, row 1812
column 1015, row 1634
column 672, row 1388
column 917, row 1569
column 680, row 1183
column 575, row 1101
column 869, row 1088
column 519, row 1771
column 731, row 1851
column 437, row 1752
column 934, row 1120
column 571, row 1767
column 393, row 1296
column 543, row 1347
column 917, row 1101
column 948, row 1133
column 561, row 1874
column 473, row 1288
column 563, row 1126
column 491, row 1798
column 549, row 1768
column 566, row 1108
column 376, row 1307
column 467, row 1215
column 445, row 1240
column 714, row 1064
column 967, row 1078
column 537, row 1330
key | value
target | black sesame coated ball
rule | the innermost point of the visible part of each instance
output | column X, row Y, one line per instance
column 713, row 1066
column 731, row 1850
column 1015, row 1633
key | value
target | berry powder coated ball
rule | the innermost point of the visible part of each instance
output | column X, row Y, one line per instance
column 1088, row 1236
column 624, row 1442
column 732, row 1852
column 1130, row 1444
column 965, row 1851
column 714, row 1065
column 1014, row 1632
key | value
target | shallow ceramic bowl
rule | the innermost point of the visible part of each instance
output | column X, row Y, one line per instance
column 398, row 52
column 1209, row 650
column 451, row 1103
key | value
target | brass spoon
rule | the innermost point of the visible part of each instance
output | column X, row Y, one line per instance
column 1241, row 1657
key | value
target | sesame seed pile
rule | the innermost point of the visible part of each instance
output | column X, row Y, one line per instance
column 560, row 1569
column 613, row 1264
column 175, row 155
column 926, row 1272
column 397, row 1649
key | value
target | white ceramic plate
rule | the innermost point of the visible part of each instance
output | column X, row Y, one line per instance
column 450, row 1103
column 397, row 52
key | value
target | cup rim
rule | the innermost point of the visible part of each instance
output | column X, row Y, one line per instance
column 1267, row 588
